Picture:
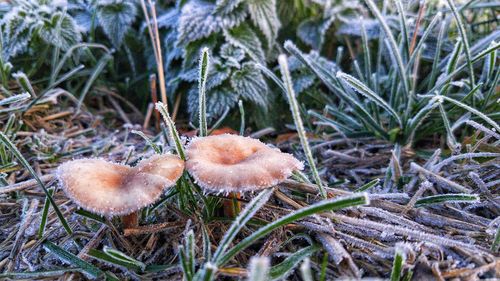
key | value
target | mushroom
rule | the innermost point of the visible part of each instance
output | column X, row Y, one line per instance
column 112, row 189
column 231, row 163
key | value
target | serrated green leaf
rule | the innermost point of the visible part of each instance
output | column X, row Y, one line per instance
column 263, row 14
column 249, row 83
column 198, row 20
column 245, row 38
column 115, row 18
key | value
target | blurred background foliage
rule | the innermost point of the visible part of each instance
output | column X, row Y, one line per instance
column 85, row 46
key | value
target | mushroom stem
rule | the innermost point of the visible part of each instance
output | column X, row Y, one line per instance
column 131, row 220
column 232, row 208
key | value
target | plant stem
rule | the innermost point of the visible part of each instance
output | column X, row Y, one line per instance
column 294, row 107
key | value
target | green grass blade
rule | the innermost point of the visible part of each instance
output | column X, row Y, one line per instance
column 116, row 261
column 452, row 142
column 13, row 149
column 207, row 273
column 45, row 212
column 305, row 270
column 427, row 32
column 474, row 111
column 207, row 250
column 447, row 198
column 283, row 269
column 397, row 266
column 366, row 52
column 240, row 221
column 465, row 41
column 367, row 92
column 15, row 99
column 392, row 44
column 95, row 73
column 493, row 88
column 87, row 268
column 404, row 27
column 190, row 251
column 443, row 81
column 24, row 82
column 330, row 81
column 344, row 128
column 369, row 185
column 322, row 206
column 259, row 269
column 123, row 257
column 455, row 54
column 496, row 242
column 437, row 56
column 184, row 263
column 38, row 275
column 148, row 141
column 69, row 54
column 242, row 117
column 294, row 108
column 202, row 81
column 171, row 129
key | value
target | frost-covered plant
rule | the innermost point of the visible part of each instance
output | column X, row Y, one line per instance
column 240, row 34
column 31, row 25
column 114, row 17
column 400, row 85
column 54, row 41
column 62, row 23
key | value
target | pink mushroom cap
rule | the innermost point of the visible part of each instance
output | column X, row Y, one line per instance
column 112, row 189
column 232, row 163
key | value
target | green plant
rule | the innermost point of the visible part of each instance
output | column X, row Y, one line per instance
column 394, row 99
column 225, row 253
column 57, row 37
column 238, row 34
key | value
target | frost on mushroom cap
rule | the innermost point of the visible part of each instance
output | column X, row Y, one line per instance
column 167, row 166
column 113, row 189
column 232, row 163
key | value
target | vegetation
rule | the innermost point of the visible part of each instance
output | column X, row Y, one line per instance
column 393, row 106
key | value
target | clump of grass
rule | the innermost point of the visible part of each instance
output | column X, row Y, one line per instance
column 397, row 103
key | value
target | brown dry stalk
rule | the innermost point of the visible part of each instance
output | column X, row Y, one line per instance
column 153, row 228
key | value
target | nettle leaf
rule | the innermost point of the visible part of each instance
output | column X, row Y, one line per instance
column 303, row 77
column 192, row 50
column 233, row 55
column 61, row 31
column 169, row 19
column 249, row 83
column 218, row 100
column 244, row 37
column 190, row 75
column 353, row 27
column 83, row 13
column 115, row 18
column 171, row 50
column 199, row 19
column 325, row 63
column 225, row 7
column 16, row 33
column 302, row 81
column 217, row 74
column 312, row 31
column 264, row 15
